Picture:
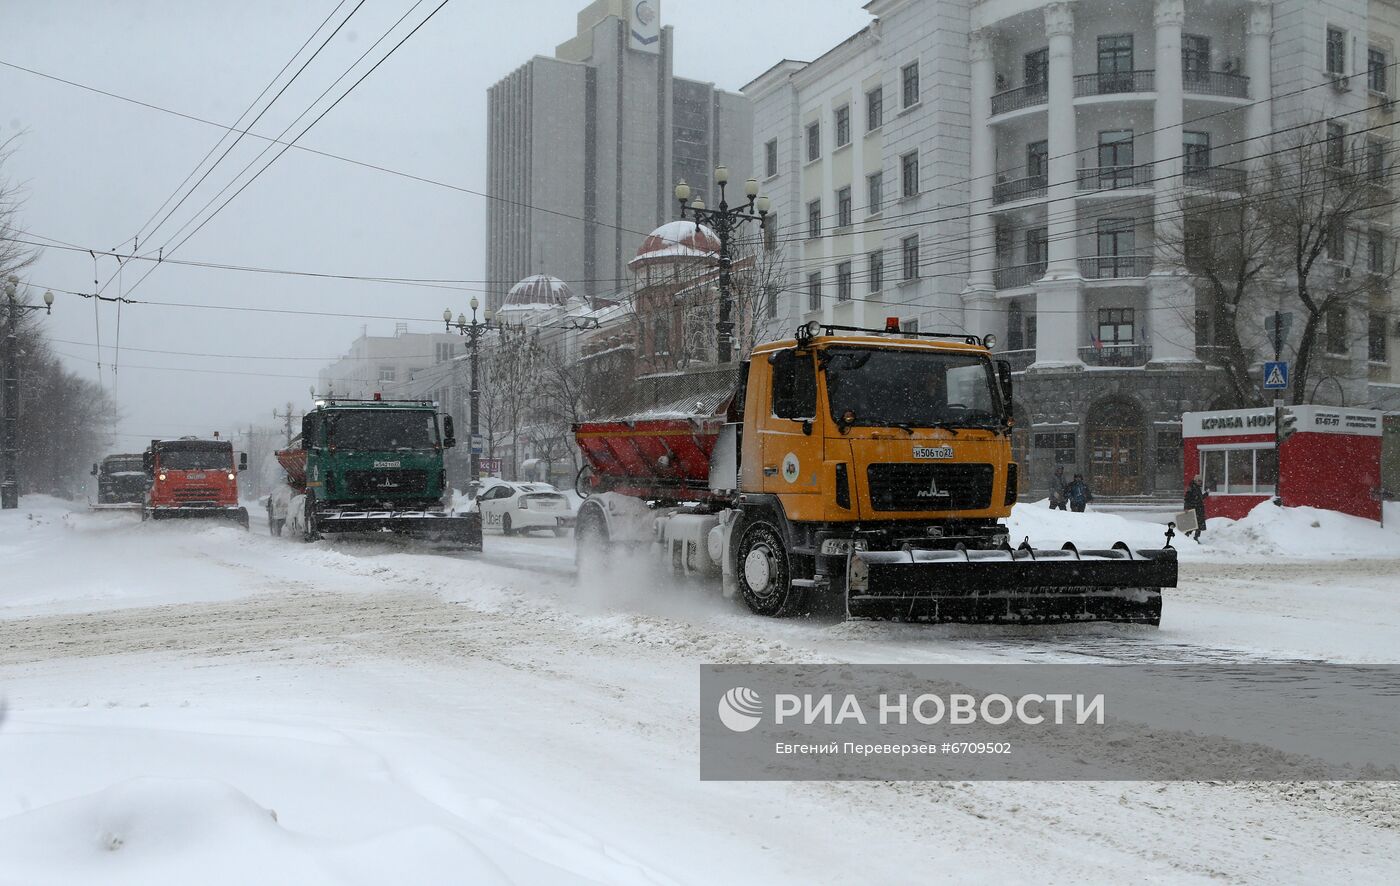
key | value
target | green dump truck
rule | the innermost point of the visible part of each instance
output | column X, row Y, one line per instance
column 371, row 466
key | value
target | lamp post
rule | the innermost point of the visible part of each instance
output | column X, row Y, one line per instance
column 473, row 331
column 9, row 483
column 724, row 221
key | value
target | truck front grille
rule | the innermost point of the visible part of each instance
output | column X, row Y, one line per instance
column 929, row 487
column 386, row 482
column 195, row 493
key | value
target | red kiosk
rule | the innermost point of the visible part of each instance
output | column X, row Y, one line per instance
column 1331, row 461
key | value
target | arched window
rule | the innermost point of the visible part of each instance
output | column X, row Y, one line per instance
column 661, row 337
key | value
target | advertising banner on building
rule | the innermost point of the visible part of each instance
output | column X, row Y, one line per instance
column 645, row 25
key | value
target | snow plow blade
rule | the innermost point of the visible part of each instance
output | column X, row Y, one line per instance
column 461, row 529
column 1017, row 586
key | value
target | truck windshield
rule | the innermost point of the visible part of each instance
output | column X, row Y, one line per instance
column 888, row 387
column 122, row 466
column 381, row 429
column 196, row 459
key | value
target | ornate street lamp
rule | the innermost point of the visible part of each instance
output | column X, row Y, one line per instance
column 724, row 221
column 473, row 331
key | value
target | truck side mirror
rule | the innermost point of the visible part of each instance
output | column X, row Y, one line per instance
column 243, row 461
column 1004, row 376
column 449, row 435
column 148, row 461
column 94, row 469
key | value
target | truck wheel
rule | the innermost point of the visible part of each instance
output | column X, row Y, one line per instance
column 764, row 573
column 505, row 525
column 591, row 544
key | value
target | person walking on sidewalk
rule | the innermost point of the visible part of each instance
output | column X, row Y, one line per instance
column 1079, row 494
column 1057, row 490
column 1196, row 501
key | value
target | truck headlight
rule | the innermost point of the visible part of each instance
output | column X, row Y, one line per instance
column 162, row 476
column 844, row 545
column 232, row 477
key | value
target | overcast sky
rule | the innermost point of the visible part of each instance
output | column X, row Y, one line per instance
column 94, row 170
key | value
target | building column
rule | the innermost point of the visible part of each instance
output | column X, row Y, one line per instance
column 1170, row 296
column 1059, row 295
column 982, row 236
column 1258, row 64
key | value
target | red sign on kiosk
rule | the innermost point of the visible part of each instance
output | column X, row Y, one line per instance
column 1331, row 461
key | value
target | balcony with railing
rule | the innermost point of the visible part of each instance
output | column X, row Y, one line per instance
column 1027, row 96
column 1107, row 267
column 1018, row 189
column 1214, row 178
column 1222, row 83
column 1114, row 83
column 1016, row 276
column 1116, row 355
column 1113, row 178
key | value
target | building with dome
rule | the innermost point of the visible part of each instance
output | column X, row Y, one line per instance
column 584, row 148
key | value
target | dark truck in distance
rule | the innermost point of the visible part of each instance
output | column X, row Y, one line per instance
column 191, row 477
column 371, row 466
column 121, row 481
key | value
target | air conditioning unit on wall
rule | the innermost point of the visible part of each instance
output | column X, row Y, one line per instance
column 1340, row 82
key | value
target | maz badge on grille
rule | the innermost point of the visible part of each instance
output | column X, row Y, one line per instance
column 388, row 464
column 933, row 452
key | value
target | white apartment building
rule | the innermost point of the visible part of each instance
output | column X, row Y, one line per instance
column 386, row 364
column 1017, row 167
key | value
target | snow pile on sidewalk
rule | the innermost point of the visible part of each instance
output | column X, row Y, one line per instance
column 1268, row 532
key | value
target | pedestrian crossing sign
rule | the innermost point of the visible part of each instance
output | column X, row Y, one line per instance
column 1276, row 375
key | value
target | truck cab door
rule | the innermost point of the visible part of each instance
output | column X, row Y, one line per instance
column 790, row 455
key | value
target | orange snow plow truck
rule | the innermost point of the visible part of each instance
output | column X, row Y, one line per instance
column 870, row 465
column 191, row 477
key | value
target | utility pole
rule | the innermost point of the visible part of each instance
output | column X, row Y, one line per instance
column 473, row 331
column 9, row 451
column 286, row 421
column 724, row 221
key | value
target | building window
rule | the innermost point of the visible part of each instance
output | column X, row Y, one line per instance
column 1168, row 449
column 1196, row 241
column 1115, row 63
column 1375, row 159
column 1116, row 327
column 843, row 207
column 1375, row 251
column 1195, row 149
column 843, row 281
column 875, row 192
column 1375, row 339
column 1063, row 445
column 814, row 218
column 1038, row 159
column 909, row 80
column 1116, row 158
column 1336, row 145
column 1337, row 242
column 814, row 141
column 1117, row 244
column 1240, row 470
column 909, row 252
column 1202, row 329
column 770, row 302
column 909, row 174
column 874, row 109
column 843, row 125
column 1036, row 67
column 770, row 158
column 1336, row 337
column 1336, row 51
column 770, row 232
column 814, row 291
column 1377, row 68
column 445, row 351
column 386, row 373
column 1015, row 333
column 1037, row 246
column 1195, row 54
column 661, row 337
column 875, row 263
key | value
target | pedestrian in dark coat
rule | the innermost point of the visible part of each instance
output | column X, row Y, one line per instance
column 1057, row 490
column 1078, row 494
column 1196, row 501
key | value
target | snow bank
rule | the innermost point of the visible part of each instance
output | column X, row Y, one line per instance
column 163, row 830
column 1267, row 533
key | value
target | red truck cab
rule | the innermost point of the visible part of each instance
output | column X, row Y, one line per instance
column 191, row 477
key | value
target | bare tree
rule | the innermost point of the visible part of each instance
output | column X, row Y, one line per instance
column 15, row 255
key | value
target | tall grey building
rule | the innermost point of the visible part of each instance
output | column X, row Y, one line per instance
column 585, row 147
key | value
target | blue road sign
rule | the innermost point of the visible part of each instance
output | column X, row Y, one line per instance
column 1276, row 375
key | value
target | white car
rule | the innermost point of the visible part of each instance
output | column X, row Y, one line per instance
column 521, row 507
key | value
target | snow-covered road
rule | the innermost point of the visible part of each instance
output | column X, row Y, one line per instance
column 196, row 703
